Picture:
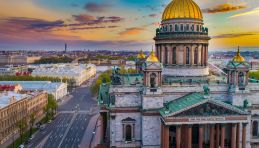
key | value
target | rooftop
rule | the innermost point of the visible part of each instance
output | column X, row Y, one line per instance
column 60, row 69
column 35, row 85
column 6, row 96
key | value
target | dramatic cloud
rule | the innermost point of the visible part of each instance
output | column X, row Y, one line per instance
column 31, row 23
column 223, row 8
column 92, row 28
column 234, row 35
column 85, row 19
column 94, row 7
column 132, row 31
column 252, row 12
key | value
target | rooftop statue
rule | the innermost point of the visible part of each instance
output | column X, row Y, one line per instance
column 206, row 90
column 115, row 79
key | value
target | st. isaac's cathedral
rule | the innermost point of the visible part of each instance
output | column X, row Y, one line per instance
column 174, row 101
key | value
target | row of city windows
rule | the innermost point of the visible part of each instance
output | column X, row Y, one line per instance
column 182, row 27
column 12, row 120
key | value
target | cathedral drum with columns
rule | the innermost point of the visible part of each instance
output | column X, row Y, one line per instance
column 173, row 101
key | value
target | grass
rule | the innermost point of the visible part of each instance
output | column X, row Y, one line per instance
column 25, row 136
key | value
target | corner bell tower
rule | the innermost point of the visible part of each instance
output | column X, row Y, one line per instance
column 152, row 72
column 237, row 73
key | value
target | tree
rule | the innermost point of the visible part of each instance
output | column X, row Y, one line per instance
column 95, row 86
column 32, row 121
column 51, row 107
column 107, row 76
column 22, row 125
column 254, row 74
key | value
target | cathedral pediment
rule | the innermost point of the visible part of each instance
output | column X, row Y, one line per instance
column 207, row 109
column 196, row 105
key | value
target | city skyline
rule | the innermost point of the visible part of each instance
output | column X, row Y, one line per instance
column 126, row 24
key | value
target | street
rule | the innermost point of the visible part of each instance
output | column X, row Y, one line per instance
column 69, row 126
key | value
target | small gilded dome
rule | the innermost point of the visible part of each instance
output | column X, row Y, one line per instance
column 141, row 55
column 182, row 9
column 152, row 57
column 238, row 57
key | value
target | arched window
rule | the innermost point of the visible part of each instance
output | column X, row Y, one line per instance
column 241, row 79
column 255, row 129
column 153, row 80
column 181, row 27
column 187, row 27
column 128, row 133
column 192, row 27
column 196, row 56
column 128, row 125
column 187, row 55
column 176, row 28
column 197, row 28
column 174, row 55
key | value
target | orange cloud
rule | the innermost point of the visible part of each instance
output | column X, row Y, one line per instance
column 252, row 12
column 132, row 31
column 223, row 8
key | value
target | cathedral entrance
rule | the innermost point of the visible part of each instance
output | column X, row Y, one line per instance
column 205, row 135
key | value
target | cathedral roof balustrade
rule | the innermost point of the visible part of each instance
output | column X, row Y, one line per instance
column 194, row 88
column 182, row 35
column 204, row 31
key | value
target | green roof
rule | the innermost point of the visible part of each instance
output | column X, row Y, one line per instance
column 182, row 103
column 233, row 64
column 189, row 100
column 131, row 79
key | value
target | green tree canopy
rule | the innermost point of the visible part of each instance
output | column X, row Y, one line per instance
column 254, row 74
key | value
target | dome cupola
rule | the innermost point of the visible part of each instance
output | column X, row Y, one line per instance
column 182, row 9
column 238, row 57
column 152, row 57
column 141, row 55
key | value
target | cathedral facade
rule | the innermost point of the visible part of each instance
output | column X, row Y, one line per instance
column 174, row 101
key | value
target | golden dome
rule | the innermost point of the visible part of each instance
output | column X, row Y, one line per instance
column 182, row 9
column 238, row 57
column 141, row 55
column 152, row 57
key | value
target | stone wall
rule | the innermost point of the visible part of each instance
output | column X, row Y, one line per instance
column 186, row 71
column 128, row 100
column 151, row 132
column 152, row 102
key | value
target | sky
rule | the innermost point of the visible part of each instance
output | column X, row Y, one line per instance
column 117, row 24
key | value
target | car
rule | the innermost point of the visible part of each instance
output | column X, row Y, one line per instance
column 30, row 138
column 21, row 146
column 49, row 121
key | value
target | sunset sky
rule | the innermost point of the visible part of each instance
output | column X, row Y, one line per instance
column 117, row 24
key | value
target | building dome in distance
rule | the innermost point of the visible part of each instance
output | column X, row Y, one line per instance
column 152, row 57
column 141, row 55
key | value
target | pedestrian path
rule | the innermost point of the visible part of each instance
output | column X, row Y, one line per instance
column 90, row 132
